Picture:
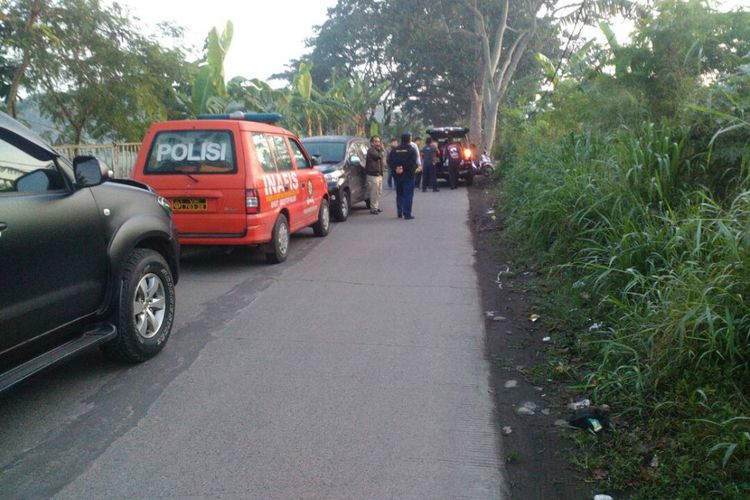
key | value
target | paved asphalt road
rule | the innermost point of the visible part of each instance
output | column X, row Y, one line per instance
column 354, row 370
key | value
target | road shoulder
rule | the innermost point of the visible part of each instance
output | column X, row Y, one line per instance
column 537, row 455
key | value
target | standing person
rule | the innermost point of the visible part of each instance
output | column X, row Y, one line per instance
column 420, row 167
column 402, row 161
column 392, row 144
column 429, row 164
column 375, row 168
column 452, row 159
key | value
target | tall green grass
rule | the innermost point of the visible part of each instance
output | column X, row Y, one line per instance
column 632, row 220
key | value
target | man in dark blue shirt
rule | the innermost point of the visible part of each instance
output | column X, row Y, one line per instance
column 402, row 162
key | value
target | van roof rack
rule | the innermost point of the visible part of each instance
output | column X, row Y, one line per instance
column 269, row 118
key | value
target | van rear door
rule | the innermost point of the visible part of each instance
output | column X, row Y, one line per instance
column 202, row 174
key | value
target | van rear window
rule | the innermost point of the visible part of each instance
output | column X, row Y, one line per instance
column 192, row 152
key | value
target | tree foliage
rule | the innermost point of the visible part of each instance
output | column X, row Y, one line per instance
column 628, row 172
column 445, row 61
column 92, row 70
column 208, row 86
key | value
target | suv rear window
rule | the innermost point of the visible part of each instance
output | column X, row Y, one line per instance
column 329, row 152
column 192, row 152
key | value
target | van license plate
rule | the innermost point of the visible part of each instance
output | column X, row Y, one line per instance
column 190, row 204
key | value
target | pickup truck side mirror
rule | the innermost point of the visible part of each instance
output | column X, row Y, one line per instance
column 36, row 181
column 315, row 160
column 88, row 171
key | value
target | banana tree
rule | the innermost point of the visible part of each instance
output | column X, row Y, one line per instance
column 338, row 111
column 304, row 100
column 363, row 98
column 208, row 90
column 255, row 95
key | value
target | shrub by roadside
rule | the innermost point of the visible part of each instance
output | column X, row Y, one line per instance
column 659, row 271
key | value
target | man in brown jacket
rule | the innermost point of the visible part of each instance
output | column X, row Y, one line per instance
column 375, row 168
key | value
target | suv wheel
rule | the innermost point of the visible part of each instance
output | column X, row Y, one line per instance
column 469, row 180
column 321, row 227
column 279, row 241
column 341, row 209
column 145, row 311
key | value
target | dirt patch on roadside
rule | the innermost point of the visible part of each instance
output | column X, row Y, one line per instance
column 527, row 404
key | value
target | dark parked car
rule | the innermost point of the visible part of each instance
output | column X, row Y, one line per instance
column 84, row 260
column 342, row 160
column 454, row 135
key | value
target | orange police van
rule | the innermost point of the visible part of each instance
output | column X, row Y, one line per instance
column 235, row 179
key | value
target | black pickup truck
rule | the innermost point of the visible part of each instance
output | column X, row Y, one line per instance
column 84, row 260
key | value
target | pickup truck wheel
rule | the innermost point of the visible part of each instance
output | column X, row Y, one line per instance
column 145, row 311
column 321, row 227
column 279, row 241
column 341, row 209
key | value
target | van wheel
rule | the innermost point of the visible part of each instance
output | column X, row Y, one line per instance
column 341, row 209
column 279, row 241
column 321, row 227
column 145, row 310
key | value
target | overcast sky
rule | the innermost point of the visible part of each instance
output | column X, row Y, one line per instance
column 267, row 33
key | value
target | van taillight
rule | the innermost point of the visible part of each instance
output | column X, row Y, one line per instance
column 252, row 204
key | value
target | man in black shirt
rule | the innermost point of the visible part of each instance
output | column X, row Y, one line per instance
column 402, row 162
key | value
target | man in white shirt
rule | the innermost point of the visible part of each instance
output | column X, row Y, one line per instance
column 417, row 145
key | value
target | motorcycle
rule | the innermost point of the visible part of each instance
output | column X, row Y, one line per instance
column 484, row 165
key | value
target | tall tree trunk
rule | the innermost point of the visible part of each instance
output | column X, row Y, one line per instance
column 476, row 91
column 491, row 107
column 499, row 56
column 475, row 119
column 18, row 75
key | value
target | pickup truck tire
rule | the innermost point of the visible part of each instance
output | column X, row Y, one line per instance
column 323, row 225
column 279, row 241
column 145, row 310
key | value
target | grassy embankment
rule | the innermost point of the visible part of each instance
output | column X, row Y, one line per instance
column 651, row 246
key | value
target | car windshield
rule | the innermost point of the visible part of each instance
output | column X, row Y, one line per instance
column 191, row 152
column 329, row 152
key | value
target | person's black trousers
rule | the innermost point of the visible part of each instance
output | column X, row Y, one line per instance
column 429, row 179
column 404, row 195
column 453, row 174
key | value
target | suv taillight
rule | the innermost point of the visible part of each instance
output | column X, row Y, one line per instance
column 252, row 203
